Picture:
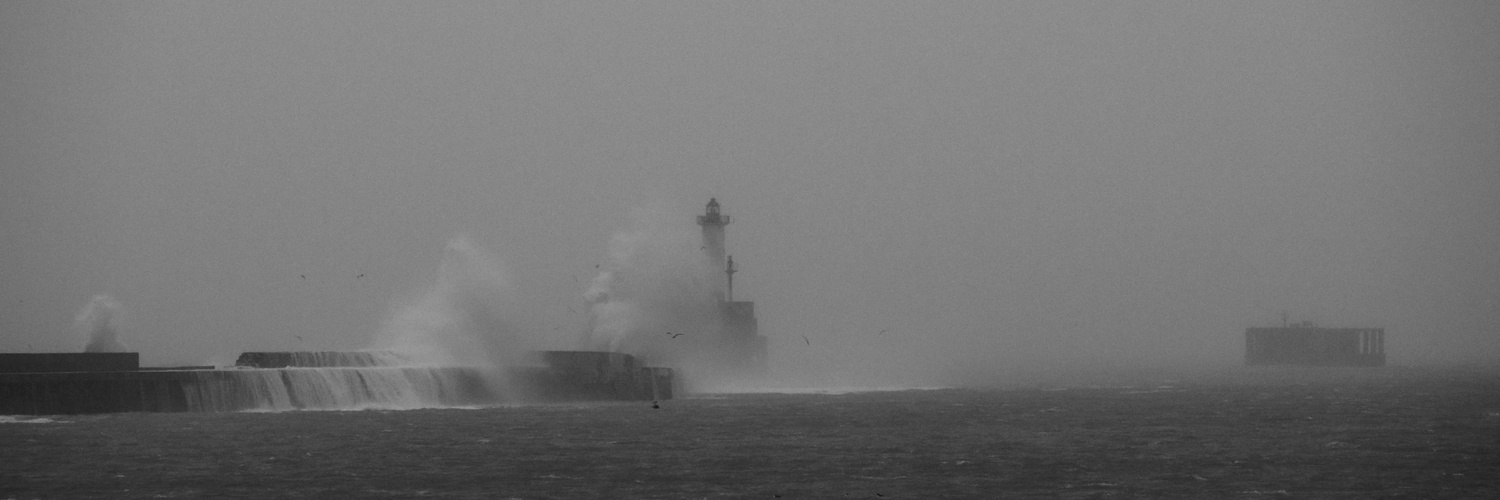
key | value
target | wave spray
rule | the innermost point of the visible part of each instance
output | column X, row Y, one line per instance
column 460, row 318
column 96, row 321
column 654, row 296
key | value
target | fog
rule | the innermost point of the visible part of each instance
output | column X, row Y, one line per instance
column 929, row 193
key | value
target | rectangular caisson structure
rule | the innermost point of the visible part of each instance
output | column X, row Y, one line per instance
column 1314, row 346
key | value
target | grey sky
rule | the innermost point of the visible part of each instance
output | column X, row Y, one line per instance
column 996, row 183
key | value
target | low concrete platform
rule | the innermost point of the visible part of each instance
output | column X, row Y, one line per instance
column 240, row 389
column 591, row 376
column 317, row 359
column 46, row 362
column 556, row 376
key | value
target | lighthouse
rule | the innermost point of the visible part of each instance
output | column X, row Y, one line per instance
column 740, row 347
column 713, row 224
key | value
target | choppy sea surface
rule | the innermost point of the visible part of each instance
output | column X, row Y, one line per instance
column 1290, row 433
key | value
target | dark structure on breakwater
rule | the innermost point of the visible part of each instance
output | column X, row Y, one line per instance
column 739, row 349
column 1308, row 345
column 318, row 359
column 49, row 362
column 45, row 384
column 590, row 376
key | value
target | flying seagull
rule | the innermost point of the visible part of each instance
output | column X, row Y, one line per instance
column 804, row 339
column 675, row 335
column 361, row 275
column 883, row 331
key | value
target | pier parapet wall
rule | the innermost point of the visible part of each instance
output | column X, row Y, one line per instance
column 51, row 362
column 318, row 359
column 58, row 384
column 591, row 375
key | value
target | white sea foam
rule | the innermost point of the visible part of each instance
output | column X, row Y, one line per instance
column 8, row 419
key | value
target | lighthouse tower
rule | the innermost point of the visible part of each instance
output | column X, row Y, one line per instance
column 740, row 349
column 713, row 243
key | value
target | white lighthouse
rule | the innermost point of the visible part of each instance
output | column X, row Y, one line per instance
column 740, row 349
column 713, row 244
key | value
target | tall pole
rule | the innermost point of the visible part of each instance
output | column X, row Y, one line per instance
column 729, row 271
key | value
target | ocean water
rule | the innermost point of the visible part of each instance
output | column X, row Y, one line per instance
column 1331, row 433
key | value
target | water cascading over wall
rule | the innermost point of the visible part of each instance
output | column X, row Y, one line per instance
column 318, row 359
column 329, row 388
column 337, row 380
column 377, row 380
column 50, row 384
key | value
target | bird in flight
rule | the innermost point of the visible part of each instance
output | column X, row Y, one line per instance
column 675, row 335
column 361, row 275
column 883, row 331
column 804, row 339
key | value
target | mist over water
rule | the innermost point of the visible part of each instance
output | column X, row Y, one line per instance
column 96, row 321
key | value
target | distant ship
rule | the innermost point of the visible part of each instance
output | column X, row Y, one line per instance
column 1309, row 345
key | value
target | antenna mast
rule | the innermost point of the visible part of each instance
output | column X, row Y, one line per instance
column 729, row 271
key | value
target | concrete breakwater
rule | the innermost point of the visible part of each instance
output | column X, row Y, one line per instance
column 50, row 362
column 590, row 376
column 558, row 376
column 237, row 389
column 319, row 359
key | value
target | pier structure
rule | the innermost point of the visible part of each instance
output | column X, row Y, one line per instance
column 1309, row 345
column 72, row 383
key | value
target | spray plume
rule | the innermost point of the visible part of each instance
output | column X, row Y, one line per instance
column 656, row 281
column 96, row 321
column 460, row 318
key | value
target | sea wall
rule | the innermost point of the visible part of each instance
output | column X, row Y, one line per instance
column 590, row 376
column 242, row 389
column 555, row 376
column 48, row 362
column 318, row 359
column 92, row 392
